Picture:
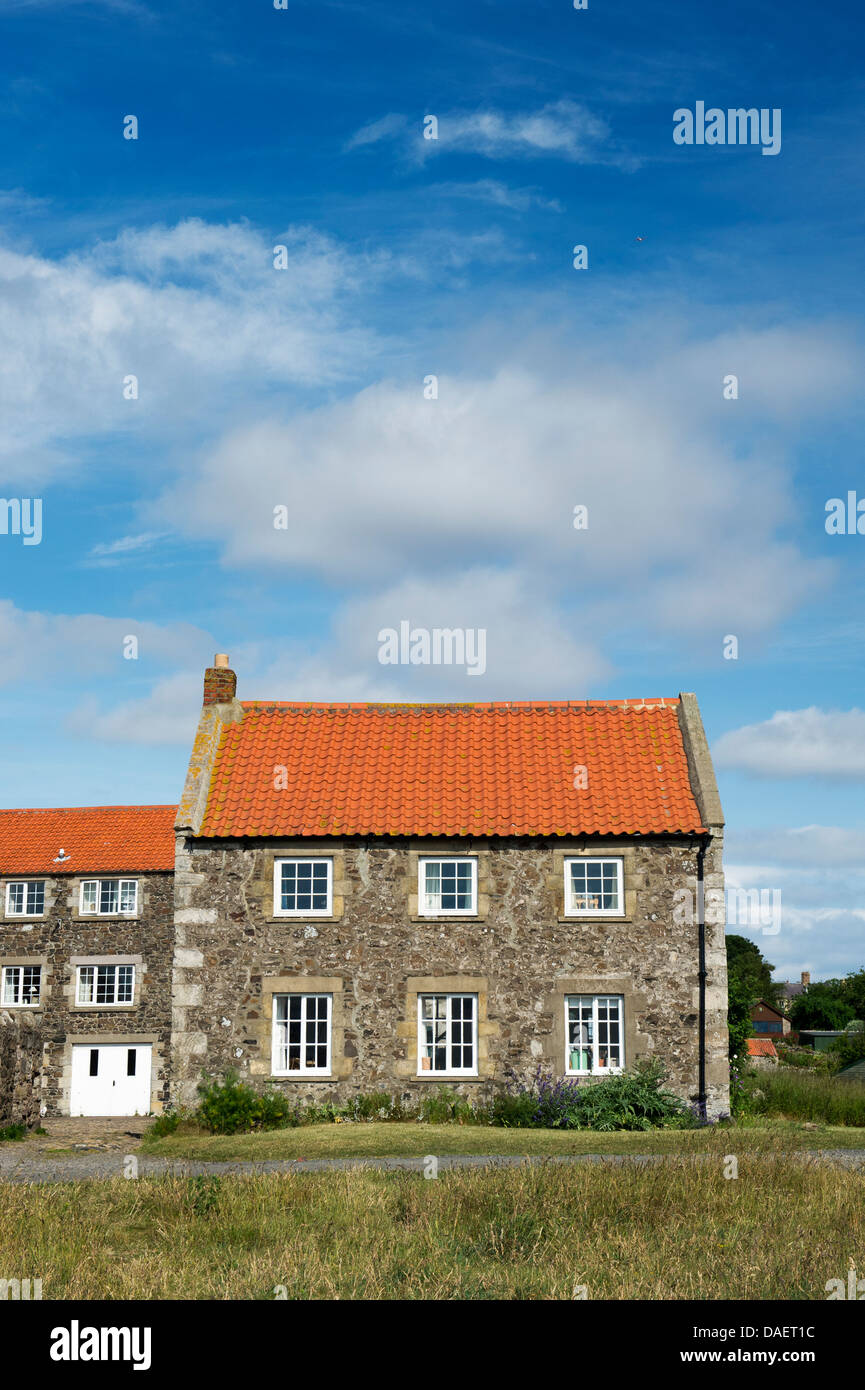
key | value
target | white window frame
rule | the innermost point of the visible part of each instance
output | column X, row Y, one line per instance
column 19, row 1003
column 121, row 882
column 423, row 861
column 570, row 910
column 27, row 883
column 278, row 909
column 449, row 1020
column 279, row 1024
column 594, row 1069
column 96, row 966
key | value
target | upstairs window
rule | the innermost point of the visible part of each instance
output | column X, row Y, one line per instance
column 105, row 985
column 109, row 897
column 25, row 898
column 303, row 888
column 448, row 887
column 593, row 888
column 22, row 986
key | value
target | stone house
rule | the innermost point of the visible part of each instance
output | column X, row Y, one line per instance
column 86, row 952
column 385, row 897
column 354, row 898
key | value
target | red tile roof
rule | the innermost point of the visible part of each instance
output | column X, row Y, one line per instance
column 97, row 839
column 761, row 1047
column 481, row 769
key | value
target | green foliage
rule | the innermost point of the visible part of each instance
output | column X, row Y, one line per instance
column 445, row 1106
column 740, row 1002
column 745, row 961
column 231, row 1106
column 513, row 1110
column 822, row 1005
column 849, row 1048
column 13, row 1132
column 804, row 1095
column 165, row 1124
column 202, row 1195
column 803, row 1057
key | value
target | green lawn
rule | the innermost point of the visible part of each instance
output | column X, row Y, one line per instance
column 387, row 1140
column 682, row 1229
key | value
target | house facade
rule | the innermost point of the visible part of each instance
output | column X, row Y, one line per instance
column 385, row 897
column 364, row 898
column 86, row 952
column 765, row 1018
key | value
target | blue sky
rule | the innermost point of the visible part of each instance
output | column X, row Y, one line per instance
column 405, row 257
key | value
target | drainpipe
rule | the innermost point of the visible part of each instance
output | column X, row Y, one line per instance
column 701, row 975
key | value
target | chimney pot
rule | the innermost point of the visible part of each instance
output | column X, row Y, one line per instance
column 220, row 659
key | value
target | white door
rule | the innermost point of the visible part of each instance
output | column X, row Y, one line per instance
column 110, row 1079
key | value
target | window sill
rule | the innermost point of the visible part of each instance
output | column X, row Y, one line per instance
column 13, row 917
column 107, row 917
column 301, row 920
column 592, row 917
column 443, row 917
column 302, row 1076
column 446, row 1076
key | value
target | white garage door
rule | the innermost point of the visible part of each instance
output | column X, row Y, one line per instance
column 110, row 1079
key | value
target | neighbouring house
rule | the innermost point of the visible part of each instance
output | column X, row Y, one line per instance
column 362, row 897
column 761, row 1051
column 790, row 990
column 86, row 951
column 765, row 1018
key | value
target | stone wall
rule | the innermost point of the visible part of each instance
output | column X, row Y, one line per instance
column 520, row 955
column 60, row 939
column 20, row 1069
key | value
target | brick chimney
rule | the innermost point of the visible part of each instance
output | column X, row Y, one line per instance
column 220, row 682
column 806, row 977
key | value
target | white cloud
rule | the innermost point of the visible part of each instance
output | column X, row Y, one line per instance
column 196, row 312
column 562, row 129
column 684, row 525
column 498, row 194
column 38, row 647
column 798, row 743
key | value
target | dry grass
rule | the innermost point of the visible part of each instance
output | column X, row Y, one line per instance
column 666, row 1231
column 395, row 1139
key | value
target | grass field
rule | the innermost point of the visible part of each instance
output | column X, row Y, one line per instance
column 394, row 1139
column 678, row 1230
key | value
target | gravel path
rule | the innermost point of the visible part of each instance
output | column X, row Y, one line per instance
column 24, row 1168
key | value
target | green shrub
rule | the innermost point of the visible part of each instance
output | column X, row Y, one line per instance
column 165, row 1124
column 230, row 1106
column 14, row 1132
column 514, row 1110
column 445, row 1106
column 376, row 1106
column 634, row 1100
